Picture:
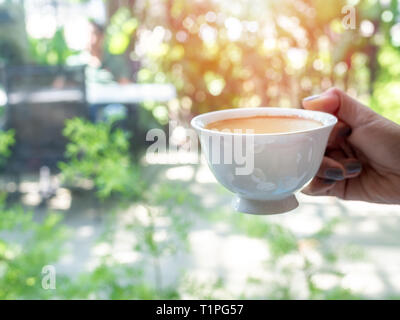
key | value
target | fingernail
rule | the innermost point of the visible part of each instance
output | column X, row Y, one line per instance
column 353, row 168
column 334, row 174
column 314, row 97
column 345, row 132
column 328, row 181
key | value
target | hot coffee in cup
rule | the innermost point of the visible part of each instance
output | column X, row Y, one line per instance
column 264, row 124
column 264, row 155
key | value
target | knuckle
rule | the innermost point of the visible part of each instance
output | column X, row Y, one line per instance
column 336, row 91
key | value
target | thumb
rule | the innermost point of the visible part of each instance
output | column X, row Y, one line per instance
column 336, row 102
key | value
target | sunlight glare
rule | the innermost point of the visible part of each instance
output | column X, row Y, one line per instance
column 234, row 28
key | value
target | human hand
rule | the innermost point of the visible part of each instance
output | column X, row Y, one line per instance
column 362, row 159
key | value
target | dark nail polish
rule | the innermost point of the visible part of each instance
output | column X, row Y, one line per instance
column 314, row 97
column 334, row 174
column 328, row 181
column 353, row 168
column 345, row 132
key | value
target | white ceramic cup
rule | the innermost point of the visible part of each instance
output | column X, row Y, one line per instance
column 277, row 165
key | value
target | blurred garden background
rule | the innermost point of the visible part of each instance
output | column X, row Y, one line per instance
column 82, row 82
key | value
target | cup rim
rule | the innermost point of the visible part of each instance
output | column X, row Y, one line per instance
column 328, row 120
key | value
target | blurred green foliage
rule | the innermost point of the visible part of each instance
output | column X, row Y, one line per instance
column 26, row 246
column 220, row 57
column 7, row 140
column 53, row 51
column 100, row 152
column 294, row 260
column 386, row 94
column 114, row 281
column 120, row 31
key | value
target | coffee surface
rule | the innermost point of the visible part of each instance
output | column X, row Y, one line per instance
column 265, row 124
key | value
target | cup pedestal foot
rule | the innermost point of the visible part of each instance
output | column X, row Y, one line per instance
column 267, row 207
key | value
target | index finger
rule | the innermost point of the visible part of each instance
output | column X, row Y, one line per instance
column 343, row 106
column 325, row 102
